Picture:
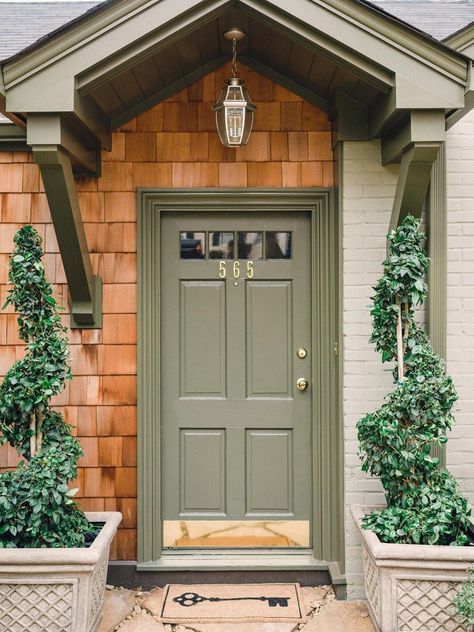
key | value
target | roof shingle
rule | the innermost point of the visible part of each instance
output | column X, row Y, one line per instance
column 23, row 23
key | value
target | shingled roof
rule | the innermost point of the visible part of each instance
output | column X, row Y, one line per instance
column 24, row 23
column 438, row 18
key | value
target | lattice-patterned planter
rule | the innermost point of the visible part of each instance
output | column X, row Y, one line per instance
column 56, row 590
column 410, row 587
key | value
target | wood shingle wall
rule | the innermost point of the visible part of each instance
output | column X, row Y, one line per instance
column 172, row 145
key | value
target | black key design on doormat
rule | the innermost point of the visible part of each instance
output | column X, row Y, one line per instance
column 191, row 599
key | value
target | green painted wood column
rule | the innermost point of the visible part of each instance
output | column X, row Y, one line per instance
column 436, row 220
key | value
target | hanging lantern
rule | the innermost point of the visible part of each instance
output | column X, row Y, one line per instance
column 234, row 108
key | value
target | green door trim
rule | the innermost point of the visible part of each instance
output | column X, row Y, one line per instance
column 328, row 518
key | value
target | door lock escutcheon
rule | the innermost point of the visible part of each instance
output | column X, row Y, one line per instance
column 302, row 384
column 301, row 353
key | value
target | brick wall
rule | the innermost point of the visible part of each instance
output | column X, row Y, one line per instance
column 460, row 169
column 172, row 145
column 368, row 191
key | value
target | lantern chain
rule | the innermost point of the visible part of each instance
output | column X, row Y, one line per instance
column 234, row 57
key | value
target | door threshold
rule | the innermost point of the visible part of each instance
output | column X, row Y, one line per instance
column 211, row 560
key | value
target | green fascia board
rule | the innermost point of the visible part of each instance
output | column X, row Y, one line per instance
column 12, row 138
column 87, row 28
column 319, row 41
column 462, row 39
column 44, row 77
column 328, row 511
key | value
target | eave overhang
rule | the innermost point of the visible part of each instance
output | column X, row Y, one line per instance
column 106, row 43
column 463, row 41
column 380, row 78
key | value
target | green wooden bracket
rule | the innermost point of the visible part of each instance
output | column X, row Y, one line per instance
column 81, row 145
column 418, row 127
column 85, row 288
column 413, row 181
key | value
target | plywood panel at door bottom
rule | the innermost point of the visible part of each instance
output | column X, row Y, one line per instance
column 202, row 459
column 203, row 350
column 236, row 534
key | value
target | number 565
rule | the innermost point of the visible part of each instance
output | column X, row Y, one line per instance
column 236, row 269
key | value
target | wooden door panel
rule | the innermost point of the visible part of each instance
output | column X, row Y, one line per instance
column 202, row 338
column 269, row 478
column 202, row 480
column 269, row 309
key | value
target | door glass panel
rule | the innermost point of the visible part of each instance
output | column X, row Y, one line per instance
column 277, row 245
column 221, row 245
column 236, row 534
column 193, row 245
column 250, row 246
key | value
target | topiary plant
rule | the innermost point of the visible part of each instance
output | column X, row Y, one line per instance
column 36, row 505
column 424, row 505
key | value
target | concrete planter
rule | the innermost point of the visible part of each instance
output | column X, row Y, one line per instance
column 56, row 590
column 410, row 587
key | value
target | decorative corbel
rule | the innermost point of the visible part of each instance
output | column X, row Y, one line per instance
column 414, row 144
column 58, row 179
column 413, row 181
column 85, row 289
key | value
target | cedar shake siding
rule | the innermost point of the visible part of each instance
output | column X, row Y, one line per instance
column 175, row 144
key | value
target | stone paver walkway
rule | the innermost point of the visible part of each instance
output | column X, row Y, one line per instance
column 135, row 611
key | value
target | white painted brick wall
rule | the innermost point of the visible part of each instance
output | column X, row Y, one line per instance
column 460, row 177
column 368, row 192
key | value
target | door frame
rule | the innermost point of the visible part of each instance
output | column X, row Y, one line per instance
column 327, row 447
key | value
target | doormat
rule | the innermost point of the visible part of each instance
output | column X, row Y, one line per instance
column 232, row 603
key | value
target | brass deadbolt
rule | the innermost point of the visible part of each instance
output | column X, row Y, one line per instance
column 301, row 353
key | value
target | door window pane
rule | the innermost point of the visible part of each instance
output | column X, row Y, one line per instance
column 221, row 245
column 277, row 245
column 193, row 245
column 250, row 246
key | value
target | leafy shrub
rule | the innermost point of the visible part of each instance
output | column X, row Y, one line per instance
column 424, row 505
column 464, row 600
column 36, row 505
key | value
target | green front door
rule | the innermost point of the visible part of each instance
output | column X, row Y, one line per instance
column 235, row 339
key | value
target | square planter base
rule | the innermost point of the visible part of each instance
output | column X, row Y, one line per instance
column 410, row 587
column 56, row 590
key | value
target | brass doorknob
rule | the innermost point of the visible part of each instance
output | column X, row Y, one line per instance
column 302, row 384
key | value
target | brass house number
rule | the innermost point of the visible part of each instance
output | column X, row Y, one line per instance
column 236, row 269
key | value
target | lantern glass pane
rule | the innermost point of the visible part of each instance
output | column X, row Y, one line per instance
column 248, row 127
column 220, row 124
column 234, row 93
column 235, row 118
